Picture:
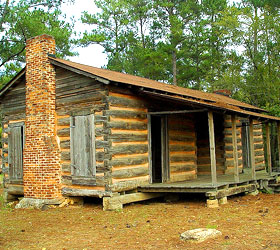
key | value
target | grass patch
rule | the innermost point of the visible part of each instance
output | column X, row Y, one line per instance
column 211, row 226
column 1, row 180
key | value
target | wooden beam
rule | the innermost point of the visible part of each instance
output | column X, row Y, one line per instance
column 235, row 152
column 177, row 112
column 212, row 148
column 116, row 202
column 231, row 191
column 85, row 192
column 268, row 148
column 252, row 150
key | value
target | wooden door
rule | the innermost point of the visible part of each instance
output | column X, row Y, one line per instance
column 82, row 136
column 15, row 152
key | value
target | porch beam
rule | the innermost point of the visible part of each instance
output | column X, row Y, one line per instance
column 252, row 149
column 177, row 112
column 212, row 148
column 234, row 145
column 268, row 148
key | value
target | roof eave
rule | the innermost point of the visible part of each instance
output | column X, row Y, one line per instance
column 12, row 82
column 78, row 71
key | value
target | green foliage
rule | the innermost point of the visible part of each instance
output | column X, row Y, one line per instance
column 21, row 20
column 205, row 45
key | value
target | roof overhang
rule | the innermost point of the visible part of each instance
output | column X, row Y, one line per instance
column 12, row 82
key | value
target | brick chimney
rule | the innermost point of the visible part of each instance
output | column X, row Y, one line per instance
column 41, row 159
column 224, row 92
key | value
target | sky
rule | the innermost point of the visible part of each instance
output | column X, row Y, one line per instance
column 92, row 55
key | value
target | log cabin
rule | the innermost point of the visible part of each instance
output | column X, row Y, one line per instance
column 71, row 130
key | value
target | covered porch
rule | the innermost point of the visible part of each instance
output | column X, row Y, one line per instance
column 246, row 174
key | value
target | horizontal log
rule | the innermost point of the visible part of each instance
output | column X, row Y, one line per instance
column 100, row 131
column 179, row 147
column 64, row 132
column 66, row 167
column 232, row 191
column 127, row 137
column 81, row 98
column 182, row 167
column 180, row 158
column 129, row 161
column 85, row 192
column 126, row 114
column 258, row 133
column 230, row 155
column 100, row 168
column 257, row 126
column 65, row 156
column 259, row 159
column 258, row 146
column 83, row 181
column 130, row 172
column 125, row 102
column 230, row 147
column 259, row 153
column 206, row 160
column 229, row 132
column 129, row 149
column 230, row 163
column 129, row 184
column 116, row 202
column 101, row 144
column 100, row 118
column 63, row 121
column 13, row 110
column 229, row 140
column 184, row 138
column 181, row 126
column 183, row 176
column 260, row 166
column 229, row 124
column 15, row 189
column 127, row 125
column 65, row 144
column 87, row 181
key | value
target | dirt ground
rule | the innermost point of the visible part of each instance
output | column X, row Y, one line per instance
column 246, row 222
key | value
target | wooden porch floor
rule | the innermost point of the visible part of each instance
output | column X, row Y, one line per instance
column 203, row 184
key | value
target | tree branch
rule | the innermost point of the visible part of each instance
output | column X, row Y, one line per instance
column 12, row 56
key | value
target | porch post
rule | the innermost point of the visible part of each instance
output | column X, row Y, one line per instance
column 278, row 141
column 235, row 152
column 268, row 148
column 252, row 149
column 212, row 147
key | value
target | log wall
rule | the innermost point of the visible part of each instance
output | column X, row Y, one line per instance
column 128, row 139
column 259, row 146
column 229, row 167
column 182, row 148
column 13, row 111
column 80, row 95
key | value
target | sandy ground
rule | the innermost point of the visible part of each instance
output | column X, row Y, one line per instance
column 246, row 222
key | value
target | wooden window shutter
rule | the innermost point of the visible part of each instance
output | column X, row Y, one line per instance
column 83, row 164
column 15, row 152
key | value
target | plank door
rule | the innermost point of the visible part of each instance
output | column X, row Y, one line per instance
column 15, row 152
column 82, row 137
